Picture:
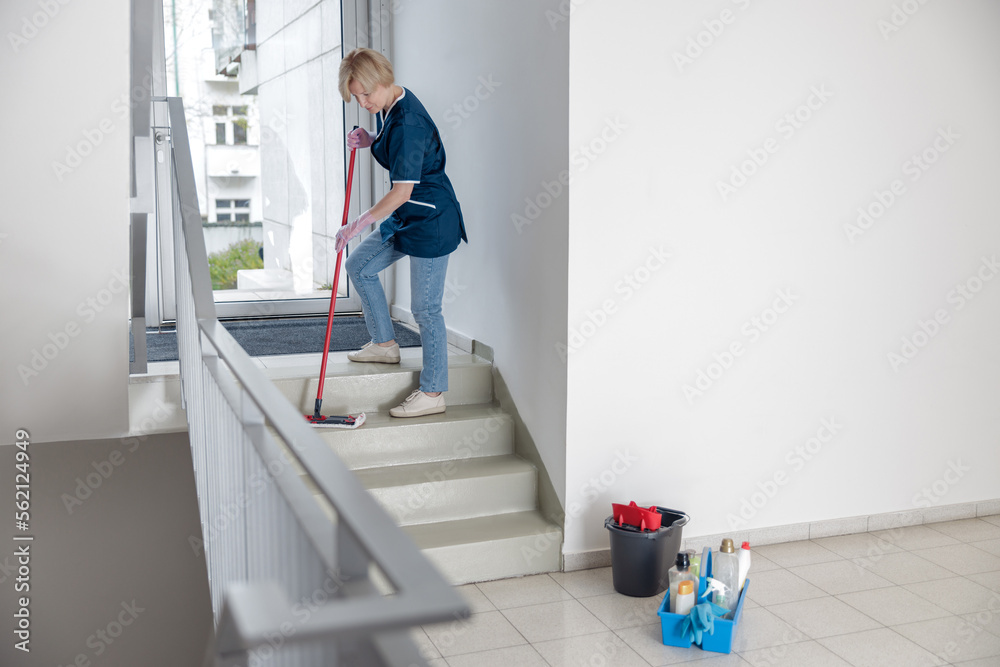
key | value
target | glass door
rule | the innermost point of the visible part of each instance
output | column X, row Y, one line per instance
column 267, row 130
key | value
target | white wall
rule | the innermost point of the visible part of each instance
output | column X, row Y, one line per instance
column 884, row 99
column 64, row 230
column 505, row 67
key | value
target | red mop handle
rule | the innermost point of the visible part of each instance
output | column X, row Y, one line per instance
column 336, row 279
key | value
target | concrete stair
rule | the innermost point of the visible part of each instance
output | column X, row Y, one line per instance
column 451, row 481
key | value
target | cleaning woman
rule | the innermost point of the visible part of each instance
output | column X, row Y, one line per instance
column 422, row 221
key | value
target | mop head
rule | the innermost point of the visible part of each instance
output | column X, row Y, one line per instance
column 349, row 421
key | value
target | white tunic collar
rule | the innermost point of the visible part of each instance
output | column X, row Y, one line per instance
column 385, row 113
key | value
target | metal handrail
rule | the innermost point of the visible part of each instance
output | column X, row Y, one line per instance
column 364, row 533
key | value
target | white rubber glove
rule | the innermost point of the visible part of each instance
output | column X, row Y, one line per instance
column 352, row 229
column 360, row 138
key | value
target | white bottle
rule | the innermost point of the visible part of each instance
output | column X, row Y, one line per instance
column 744, row 559
column 726, row 570
column 681, row 571
column 685, row 598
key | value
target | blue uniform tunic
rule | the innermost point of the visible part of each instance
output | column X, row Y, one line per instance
column 408, row 145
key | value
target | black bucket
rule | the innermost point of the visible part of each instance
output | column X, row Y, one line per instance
column 640, row 559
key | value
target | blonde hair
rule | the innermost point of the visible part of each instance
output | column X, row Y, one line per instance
column 367, row 67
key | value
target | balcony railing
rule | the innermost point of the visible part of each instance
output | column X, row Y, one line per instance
column 234, row 30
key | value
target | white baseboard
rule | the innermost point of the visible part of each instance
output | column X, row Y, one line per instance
column 459, row 340
column 584, row 560
column 587, row 560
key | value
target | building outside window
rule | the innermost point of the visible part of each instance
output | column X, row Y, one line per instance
column 230, row 125
column 232, row 210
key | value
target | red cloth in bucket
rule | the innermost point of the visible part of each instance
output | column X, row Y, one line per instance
column 633, row 515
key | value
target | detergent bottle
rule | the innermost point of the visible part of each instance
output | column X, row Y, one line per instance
column 685, row 598
column 726, row 570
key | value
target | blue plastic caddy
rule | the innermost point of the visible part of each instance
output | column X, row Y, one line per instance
column 721, row 639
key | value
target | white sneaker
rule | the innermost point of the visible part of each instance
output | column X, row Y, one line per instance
column 372, row 353
column 419, row 404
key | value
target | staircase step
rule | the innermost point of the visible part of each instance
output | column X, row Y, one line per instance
column 463, row 431
column 352, row 387
column 451, row 490
column 491, row 547
column 451, row 481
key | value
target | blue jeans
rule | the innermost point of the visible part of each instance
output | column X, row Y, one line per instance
column 426, row 292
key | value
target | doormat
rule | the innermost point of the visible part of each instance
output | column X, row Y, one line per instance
column 264, row 338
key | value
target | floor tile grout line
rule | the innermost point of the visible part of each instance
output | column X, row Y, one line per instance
column 973, row 518
column 609, row 631
column 875, row 620
column 489, row 650
column 530, row 604
column 945, row 662
column 810, row 540
column 969, row 576
column 805, row 639
column 549, row 574
column 606, row 628
column 539, row 654
column 834, row 594
column 641, row 657
column 467, row 622
column 959, row 574
column 949, row 613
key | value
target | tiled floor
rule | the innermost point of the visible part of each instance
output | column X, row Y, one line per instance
column 921, row 595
